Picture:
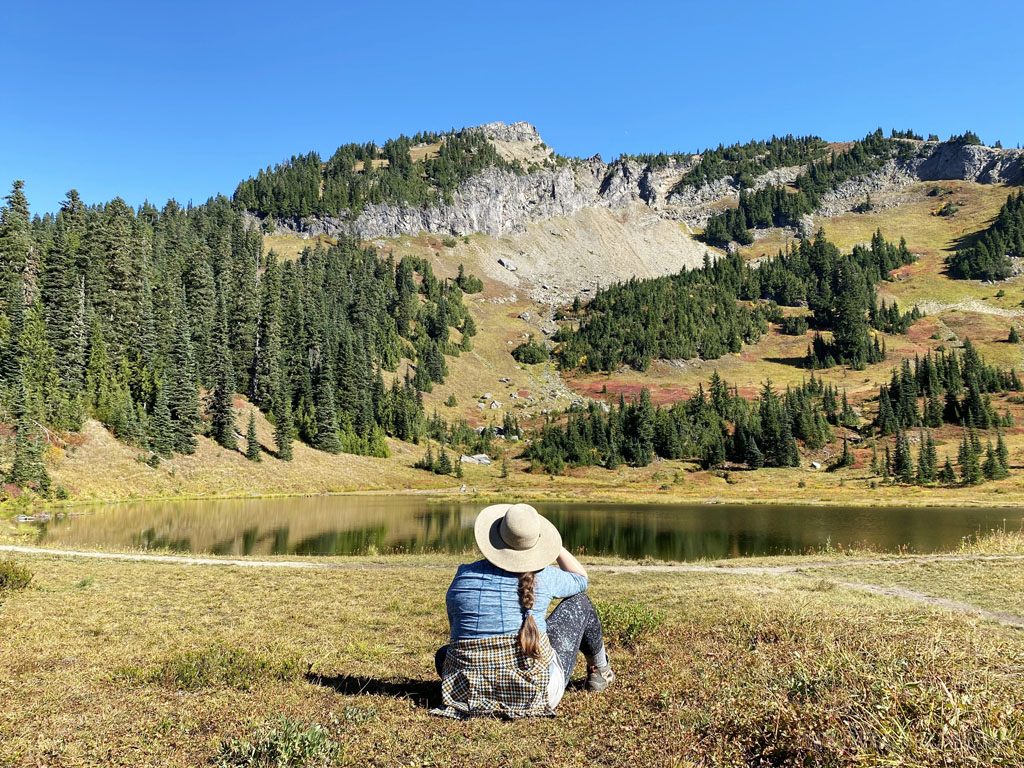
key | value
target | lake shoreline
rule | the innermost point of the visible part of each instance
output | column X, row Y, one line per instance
column 12, row 507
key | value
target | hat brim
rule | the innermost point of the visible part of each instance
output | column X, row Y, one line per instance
column 497, row 552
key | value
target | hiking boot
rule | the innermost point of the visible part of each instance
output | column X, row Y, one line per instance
column 599, row 678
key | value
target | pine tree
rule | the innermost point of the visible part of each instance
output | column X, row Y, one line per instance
column 1014, row 337
column 947, row 475
column 161, row 428
column 645, row 420
column 283, row 420
column 903, row 465
column 27, row 469
column 754, row 458
column 970, row 466
column 182, row 388
column 252, row 444
column 62, row 293
column 221, row 400
column 45, row 398
column 444, row 464
column 504, row 464
column 15, row 235
column 326, row 437
column 927, row 461
column 1002, row 453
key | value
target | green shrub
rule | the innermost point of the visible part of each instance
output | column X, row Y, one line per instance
column 625, row 623
column 213, row 666
column 450, row 242
column 281, row 743
column 451, row 402
column 13, row 576
column 530, row 353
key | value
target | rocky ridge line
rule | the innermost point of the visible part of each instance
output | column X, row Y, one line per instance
column 497, row 202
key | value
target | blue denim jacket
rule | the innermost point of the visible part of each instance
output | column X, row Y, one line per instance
column 483, row 600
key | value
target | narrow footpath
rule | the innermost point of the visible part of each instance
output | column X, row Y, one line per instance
column 954, row 606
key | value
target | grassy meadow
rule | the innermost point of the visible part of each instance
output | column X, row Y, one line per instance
column 110, row 662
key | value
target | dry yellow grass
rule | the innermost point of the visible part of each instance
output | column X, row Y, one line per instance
column 289, row 247
column 100, row 467
column 117, row 663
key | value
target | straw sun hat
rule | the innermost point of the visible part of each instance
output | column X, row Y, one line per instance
column 516, row 538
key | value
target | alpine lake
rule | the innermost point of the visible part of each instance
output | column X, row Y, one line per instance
column 379, row 524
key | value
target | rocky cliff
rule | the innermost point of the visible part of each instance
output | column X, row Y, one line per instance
column 499, row 202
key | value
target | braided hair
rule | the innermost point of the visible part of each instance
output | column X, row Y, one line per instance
column 529, row 635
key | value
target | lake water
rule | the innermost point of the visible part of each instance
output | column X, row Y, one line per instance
column 346, row 525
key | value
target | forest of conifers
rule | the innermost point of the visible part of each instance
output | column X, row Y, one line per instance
column 358, row 174
column 719, row 426
column 713, row 310
column 987, row 258
column 126, row 315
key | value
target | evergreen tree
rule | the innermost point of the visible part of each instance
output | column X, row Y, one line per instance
column 927, row 460
column 15, row 236
column 903, row 465
column 1002, row 453
column 221, row 401
column 283, row 420
column 182, row 389
column 444, row 464
column 970, row 465
column 252, row 444
column 62, row 294
column 326, row 437
column 947, row 476
column 161, row 427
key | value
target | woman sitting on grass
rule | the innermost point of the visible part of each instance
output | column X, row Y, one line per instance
column 506, row 656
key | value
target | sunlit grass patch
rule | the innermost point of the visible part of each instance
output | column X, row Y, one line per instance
column 13, row 576
column 625, row 623
column 216, row 665
column 280, row 743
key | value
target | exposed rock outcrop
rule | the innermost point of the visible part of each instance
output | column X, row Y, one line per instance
column 985, row 165
column 498, row 202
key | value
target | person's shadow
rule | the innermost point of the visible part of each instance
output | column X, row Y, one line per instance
column 422, row 693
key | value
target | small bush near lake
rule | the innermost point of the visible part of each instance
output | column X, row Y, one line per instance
column 214, row 666
column 626, row 623
column 281, row 743
column 13, row 576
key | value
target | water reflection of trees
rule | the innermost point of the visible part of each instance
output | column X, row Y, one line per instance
column 357, row 525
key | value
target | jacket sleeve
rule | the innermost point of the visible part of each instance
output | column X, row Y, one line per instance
column 563, row 584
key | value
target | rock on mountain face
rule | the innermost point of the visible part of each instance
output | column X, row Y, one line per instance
column 521, row 131
column 984, row 165
column 497, row 202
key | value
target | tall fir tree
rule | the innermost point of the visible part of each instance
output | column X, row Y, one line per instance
column 221, row 402
column 161, row 428
column 182, row 385
column 283, row 419
column 252, row 443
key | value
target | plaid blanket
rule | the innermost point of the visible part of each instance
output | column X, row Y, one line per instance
column 491, row 676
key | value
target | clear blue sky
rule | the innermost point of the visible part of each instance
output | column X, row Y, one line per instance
column 153, row 100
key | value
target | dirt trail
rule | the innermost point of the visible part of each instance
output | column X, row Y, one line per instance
column 955, row 606
column 931, row 307
column 801, row 569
